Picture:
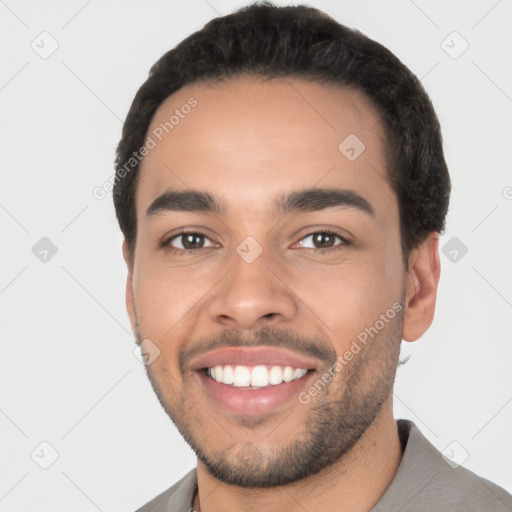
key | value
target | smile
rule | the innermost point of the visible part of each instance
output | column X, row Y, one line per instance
column 255, row 377
column 252, row 380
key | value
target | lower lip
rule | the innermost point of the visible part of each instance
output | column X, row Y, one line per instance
column 252, row 402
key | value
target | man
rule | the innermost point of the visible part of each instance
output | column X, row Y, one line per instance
column 281, row 188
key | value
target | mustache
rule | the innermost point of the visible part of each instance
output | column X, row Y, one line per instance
column 268, row 336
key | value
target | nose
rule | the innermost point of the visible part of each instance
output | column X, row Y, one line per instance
column 252, row 295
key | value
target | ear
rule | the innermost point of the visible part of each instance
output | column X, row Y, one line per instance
column 421, row 288
column 130, row 305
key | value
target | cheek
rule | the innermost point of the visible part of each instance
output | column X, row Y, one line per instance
column 351, row 297
column 165, row 296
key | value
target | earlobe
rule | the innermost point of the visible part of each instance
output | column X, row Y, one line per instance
column 421, row 288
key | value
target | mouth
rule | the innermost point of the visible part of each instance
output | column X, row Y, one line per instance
column 255, row 377
column 253, row 380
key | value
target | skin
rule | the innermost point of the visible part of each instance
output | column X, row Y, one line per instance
column 248, row 141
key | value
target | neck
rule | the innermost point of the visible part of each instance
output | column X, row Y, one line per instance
column 354, row 483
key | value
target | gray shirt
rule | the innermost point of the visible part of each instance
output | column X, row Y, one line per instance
column 424, row 482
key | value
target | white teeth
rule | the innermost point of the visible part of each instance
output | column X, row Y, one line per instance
column 228, row 376
column 218, row 373
column 276, row 375
column 257, row 377
column 298, row 373
column 242, row 377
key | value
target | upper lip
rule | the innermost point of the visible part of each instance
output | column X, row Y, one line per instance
column 252, row 356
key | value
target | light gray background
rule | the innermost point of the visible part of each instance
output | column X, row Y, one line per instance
column 68, row 373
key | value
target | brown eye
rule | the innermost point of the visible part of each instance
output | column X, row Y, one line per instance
column 322, row 240
column 192, row 241
column 189, row 241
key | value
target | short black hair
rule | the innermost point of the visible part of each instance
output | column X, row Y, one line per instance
column 264, row 40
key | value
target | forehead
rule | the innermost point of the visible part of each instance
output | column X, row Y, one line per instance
column 248, row 140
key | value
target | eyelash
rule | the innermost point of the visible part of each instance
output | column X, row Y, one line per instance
column 182, row 252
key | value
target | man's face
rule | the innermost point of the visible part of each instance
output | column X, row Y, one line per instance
column 269, row 288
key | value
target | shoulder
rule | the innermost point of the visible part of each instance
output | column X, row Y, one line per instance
column 178, row 497
column 427, row 481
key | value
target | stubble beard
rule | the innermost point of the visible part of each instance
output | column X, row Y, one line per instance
column 339, row 415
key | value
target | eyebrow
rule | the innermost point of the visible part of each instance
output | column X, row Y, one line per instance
column 306, row 200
